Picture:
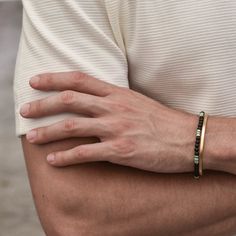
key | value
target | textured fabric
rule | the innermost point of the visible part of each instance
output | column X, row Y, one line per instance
column 181, row 53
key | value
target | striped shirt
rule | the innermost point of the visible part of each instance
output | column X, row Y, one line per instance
column 180, row 53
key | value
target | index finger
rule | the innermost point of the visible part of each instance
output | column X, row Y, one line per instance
column 75, row 80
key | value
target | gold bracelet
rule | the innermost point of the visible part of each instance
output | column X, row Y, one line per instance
column 202, row 142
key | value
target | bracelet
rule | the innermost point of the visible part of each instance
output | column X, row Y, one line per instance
column 197, row 145
column 202, row 142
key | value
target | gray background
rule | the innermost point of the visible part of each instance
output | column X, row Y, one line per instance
column 17, row 213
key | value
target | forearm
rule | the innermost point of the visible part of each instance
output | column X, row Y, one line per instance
column 105, row 199
column 162, row 205
column 220, row 149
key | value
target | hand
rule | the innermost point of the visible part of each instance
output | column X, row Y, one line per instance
column 134, row 130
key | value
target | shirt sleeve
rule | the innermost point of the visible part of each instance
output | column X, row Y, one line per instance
column 60, row 36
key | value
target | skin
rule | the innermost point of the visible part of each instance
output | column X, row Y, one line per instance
column 95, row 207
column 131, row 127
column 133, row 130
column 103, row 199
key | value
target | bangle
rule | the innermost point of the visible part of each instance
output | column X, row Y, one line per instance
column 202, row 145
column 197, row 145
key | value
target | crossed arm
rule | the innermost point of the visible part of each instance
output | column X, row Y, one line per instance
column 107, row 199
column 102, row 199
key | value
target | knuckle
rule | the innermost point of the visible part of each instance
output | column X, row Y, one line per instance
column 106, row 105
column 124, row 147
column 122, row 107
column 80, row 153
column 112, row 91
column 78, row 78
column 121, row 126
column 67, row 97
column 69, row 125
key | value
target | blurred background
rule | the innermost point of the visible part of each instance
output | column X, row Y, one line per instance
column 17, row 213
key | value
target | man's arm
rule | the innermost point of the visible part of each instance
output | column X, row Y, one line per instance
column 110, row 200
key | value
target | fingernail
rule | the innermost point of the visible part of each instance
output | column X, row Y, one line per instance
column 25, row 109
column 34, row 81
column 31, row 136
column 51, row 158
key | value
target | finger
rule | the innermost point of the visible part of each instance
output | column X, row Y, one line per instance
column 81, row 154
column 76, row 80
column 73, row 127
column 66, row 101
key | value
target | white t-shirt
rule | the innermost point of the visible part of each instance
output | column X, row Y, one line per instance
column 181, row 53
